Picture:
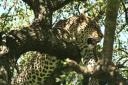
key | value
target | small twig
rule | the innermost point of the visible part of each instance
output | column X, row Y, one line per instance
column 122, row 28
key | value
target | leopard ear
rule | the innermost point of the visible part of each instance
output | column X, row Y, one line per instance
column 84, row 17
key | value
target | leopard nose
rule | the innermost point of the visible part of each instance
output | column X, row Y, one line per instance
column 92, row 41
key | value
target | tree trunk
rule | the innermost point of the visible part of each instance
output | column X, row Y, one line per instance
column 110, row 27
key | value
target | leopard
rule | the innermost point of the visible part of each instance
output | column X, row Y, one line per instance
column 82, row 31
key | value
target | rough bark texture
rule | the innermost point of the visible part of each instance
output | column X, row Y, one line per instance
column 33, row 39
column 110, row 26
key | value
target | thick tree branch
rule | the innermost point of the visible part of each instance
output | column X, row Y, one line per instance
column 31, row 39
column 100, row 71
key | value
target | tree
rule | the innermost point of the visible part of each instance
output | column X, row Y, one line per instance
column 40, row 34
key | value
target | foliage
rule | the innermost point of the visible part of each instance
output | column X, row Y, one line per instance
column 70, row 78
column 14, row 15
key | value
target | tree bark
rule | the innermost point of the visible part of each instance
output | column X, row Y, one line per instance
column 110, row 27
column 35, row 39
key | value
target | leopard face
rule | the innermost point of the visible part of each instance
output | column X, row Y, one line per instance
column 81, row 30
